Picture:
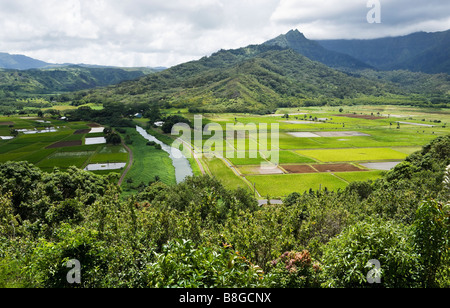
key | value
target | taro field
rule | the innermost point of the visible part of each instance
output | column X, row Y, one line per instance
column 49, row 143
column 319, row 147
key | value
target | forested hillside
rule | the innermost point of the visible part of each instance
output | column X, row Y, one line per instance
column 198, row 234
column 255, row 79
column 64, row 79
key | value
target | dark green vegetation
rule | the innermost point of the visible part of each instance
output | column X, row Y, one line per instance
column 199, row 234
column 65, row 79
column 22, row 90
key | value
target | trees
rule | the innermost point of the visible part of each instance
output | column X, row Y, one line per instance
column 346, row 257
column 199, row 234
column 432, row 242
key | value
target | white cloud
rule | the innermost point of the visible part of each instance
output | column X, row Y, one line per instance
column 165, row 33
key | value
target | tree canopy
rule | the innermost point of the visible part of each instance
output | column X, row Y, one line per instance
column 199, row 234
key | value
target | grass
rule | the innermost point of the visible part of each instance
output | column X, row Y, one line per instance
column 284, row 184
column 360, row 154
column 360, row 176
column 225, row 175
column 148, row 163
column 290, row 157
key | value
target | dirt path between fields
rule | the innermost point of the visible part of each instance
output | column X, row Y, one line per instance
column 130, row 163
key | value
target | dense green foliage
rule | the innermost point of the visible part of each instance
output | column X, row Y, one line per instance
column 199, row 234
column 66, row 79
column 44, row 88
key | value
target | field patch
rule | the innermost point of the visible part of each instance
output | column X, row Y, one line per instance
column 358, row 116
column 381, row 165
column 107, row 166
column 284, row 184
column 342, row 134
column 327, row 134
column 65, row 144
column 299, row 169
column 95, row 130
column 351, row 154
column 71, row 154
column 301, row 122
column 416, row 124
column 81, row 131
column 303, row 135
column 93, row 125
column 289, row 157
column 337, row 168
column 360, row 176
column 96, row 140
column 258, row 170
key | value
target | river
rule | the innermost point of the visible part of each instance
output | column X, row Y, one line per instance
column 180, row 162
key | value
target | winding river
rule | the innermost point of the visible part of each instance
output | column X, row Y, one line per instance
column 180, row 162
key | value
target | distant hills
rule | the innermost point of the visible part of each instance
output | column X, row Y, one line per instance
column 417, row 52
column 20, row 62
column 289, row 70
column 63, row 79
column 21, row 75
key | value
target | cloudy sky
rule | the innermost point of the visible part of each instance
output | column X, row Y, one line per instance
column 169, row 32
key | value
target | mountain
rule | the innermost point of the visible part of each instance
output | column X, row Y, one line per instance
column 316, row 52
column 289, row 70
column 418, row 52
column 63, row 79
column 20, row 62
column 256, row 78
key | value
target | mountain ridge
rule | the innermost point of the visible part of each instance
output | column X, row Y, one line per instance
column 426, row 52
column 297, row 41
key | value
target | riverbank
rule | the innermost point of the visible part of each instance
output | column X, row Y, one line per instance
column 149, row 164
column 179, row 161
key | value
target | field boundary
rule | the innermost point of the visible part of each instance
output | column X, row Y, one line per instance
column 129, row 165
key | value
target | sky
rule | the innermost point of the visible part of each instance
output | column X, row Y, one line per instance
column 154, row 33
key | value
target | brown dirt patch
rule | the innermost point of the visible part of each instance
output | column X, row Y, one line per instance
column 93, row 125
column 82, row 131
column 299, row 169
column 358, row 116
column 337, row 168
column 65, row 144
column 6, row 123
